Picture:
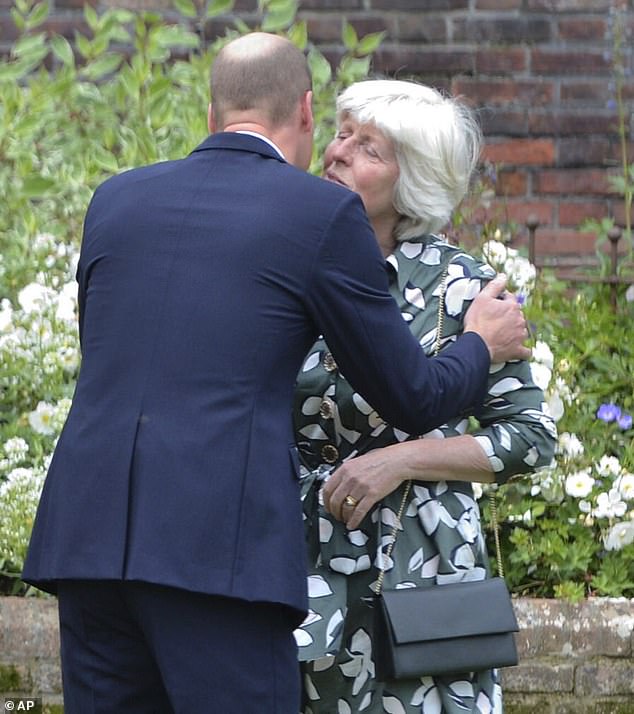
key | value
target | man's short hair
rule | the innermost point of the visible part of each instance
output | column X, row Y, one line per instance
column 259, row 71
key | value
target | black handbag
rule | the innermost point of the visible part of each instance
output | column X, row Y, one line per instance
column 443, row 629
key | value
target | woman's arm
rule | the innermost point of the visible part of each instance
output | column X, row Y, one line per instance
column 372, row 476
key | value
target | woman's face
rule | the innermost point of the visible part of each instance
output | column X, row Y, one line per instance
column 363, row 159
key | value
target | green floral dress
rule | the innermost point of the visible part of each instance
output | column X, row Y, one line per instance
column 440, row 540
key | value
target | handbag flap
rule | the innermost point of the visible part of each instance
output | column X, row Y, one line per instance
column 445, row 611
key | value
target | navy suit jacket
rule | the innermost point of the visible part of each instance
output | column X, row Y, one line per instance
column 202, row 284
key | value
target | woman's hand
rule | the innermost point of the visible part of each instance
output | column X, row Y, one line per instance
column 358, row 484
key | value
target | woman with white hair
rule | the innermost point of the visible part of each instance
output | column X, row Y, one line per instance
column 410, row 153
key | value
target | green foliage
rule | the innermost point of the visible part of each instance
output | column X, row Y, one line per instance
column 133, row 90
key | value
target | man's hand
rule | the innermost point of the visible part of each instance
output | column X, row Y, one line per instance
column 497, row 317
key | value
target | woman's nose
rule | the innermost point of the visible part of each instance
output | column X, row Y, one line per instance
column 343, row 149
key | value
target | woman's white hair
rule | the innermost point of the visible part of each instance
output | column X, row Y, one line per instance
column 437, row 142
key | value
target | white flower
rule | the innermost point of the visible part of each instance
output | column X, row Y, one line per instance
column 626, row 486
column 620, row 535
column 67, row 302
column 541, row 375
column 34, row 297
column 610, row 505
column 543, row 354
column 579, row 484
column 494, row 252
column 41, row 420
column 6, row 314
column 608, row 466
column 15, row 448
column 629, row 294
column 570, row 445
column 555, row 406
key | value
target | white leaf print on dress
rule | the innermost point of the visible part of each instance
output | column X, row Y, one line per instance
column 366, row 701
column 483, row 704
column 313, row 431
column 416, row 561
column 347, row 566
column 431, row 514
column 360, row 667
column 462, row 557
column 303, row 638
column 326, row 530
column 311, row 362
column 334, row 625
column 461, row 689
column 410, row 250
column 531, row 456
column 414, row 296
column 468, row 526
column 503, row 436
column 321, row 664
column 318, row 586
column 457, row 292
column 311, row 692
column 392, row 705
column 428, row 696
column 508, row 384
column 430, row 567
column 311, row 406
column 358, row 538
column 431, row 255
column 343, row 707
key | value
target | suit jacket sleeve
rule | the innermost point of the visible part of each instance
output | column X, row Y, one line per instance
column 373, row 347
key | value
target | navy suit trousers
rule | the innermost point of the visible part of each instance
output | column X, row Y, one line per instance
column 137, row 648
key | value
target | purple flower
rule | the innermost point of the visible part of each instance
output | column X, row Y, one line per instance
column 608, row 412
column 625, row 421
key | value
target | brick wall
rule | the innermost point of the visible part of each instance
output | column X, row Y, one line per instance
column 539, row 71
column 574, row 659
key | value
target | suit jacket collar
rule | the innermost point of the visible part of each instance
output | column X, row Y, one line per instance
column 238, row 142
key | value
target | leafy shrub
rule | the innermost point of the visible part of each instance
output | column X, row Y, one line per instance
column 135, row 91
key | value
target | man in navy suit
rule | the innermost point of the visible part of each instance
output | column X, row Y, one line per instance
column 169, row 525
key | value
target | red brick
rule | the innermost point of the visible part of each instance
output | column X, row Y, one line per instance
column 421, row 28
column 573, row 214
column 566, row 123
column 501, row 61
column 572, row 182
column 331, row 4
column 498, row 4
column 618, row 212
column 505, row 123
column 596, row 91
column 519, row 211
column 521, row 152
column 502, row 30
column 422, row 60
column 568, row 5
column 586, row 151
column 8, row 30
column 582, row 28
column 512, row 183
column 522, row 92
column 326, row 27
column 415, row 5
column 563, row 241
column 66, row 26
column 566, row 62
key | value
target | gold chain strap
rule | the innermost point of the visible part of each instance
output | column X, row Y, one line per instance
column 494, row 521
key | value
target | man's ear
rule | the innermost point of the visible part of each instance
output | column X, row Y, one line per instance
column 307, row 119
column 211, row 120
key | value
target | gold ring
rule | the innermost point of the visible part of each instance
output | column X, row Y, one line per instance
column 350, row 501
